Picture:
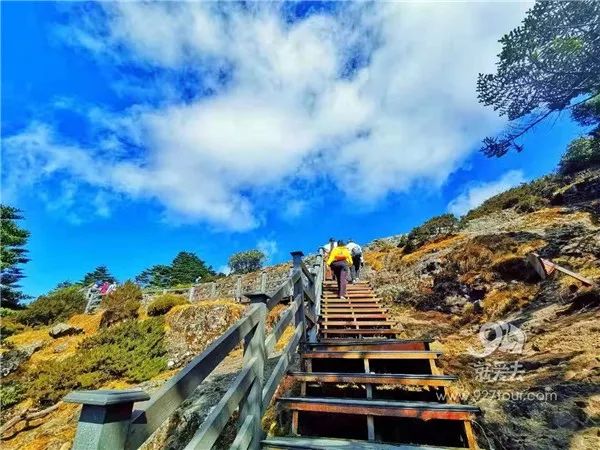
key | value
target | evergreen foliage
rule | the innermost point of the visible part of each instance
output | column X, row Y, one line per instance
column 100, row 273
column 162, row 304
column 437, row 226
column 245, row 262
column 58, row 305
column 581, row 154
column 121, row 304
column 13, row 239
column 132, row 351
column 549, row 62
column 185, row 269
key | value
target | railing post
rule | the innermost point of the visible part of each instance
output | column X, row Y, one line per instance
column 213, row 290
column 191, row 294
column 238, row 288
column 254, row 347
column 105, row 417
column 298, row 290
column 263, row 282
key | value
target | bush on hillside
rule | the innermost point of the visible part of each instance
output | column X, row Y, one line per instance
column 132, row 351
column 435, row 227
column 525, row 198
column 55, row 306
column 246, row 262
column 163, row 304
column 11, row 393
column 121, row 304
column 581, row 154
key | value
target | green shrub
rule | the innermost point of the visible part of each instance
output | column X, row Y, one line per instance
column 56, row 306
column 121, row 304
column 246, row 262
column 581, row 154
column 163, row 304
column 9, row 326
column 525, row 198
column 437, row 226
column 132, row 351
column 11, row 393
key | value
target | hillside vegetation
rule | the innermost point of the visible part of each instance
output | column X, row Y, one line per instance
column 443, row 279
column 448, row 277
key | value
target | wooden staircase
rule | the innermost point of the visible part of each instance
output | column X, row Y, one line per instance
column 361, row 388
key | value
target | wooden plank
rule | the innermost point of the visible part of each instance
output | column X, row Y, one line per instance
column 151, row 414
column 279, row 328
column 363, row 331
column 471, row 441
column 243, row 438
column 318, row 443
column 280, row 368
column 213, row 425
column 351, row 323
column 327, row 316
column 375, row 378
column 374, row 354
column 417, row 410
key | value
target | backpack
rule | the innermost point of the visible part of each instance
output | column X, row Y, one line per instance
column 356, row 251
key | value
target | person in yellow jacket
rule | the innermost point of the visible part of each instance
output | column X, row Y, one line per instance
column 340, row 260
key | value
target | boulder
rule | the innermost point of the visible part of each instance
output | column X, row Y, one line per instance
column 63, row 329
column 11, row 360
column 192, row 328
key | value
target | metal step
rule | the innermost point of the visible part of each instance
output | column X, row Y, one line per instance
column 374, row 378
column 387, row 408
column 308, row 443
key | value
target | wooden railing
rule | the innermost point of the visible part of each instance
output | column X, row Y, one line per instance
column 108, row 419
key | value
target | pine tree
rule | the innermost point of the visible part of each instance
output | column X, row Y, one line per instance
column 187, row 267
column 12, row 254
column 158, row 276
column 550, row 63
column 100, row 273
column 245, row 262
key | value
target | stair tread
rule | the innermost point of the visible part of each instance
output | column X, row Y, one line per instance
column 391, row 404
column 376, row 375
column 373, row 354
column 370, row 342
column 312, row 443
column 362, row 331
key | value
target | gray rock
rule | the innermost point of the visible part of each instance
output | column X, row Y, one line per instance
column 63, row 329
column 10, row 361
column 564, row 419
column 60, row 348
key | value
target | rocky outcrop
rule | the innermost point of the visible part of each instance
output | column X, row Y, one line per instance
column 63, row 329
column 191, row 328
column 11, row 360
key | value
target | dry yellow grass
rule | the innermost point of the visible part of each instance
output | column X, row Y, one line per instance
column 499, row 302
column 374, row 259
column 430, row 247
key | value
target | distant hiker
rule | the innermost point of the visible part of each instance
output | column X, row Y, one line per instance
column 104, row 288
column 326, row 250
column 340, row 260
column 356, row 253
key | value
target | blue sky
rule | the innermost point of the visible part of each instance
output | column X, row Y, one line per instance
column 133, row 131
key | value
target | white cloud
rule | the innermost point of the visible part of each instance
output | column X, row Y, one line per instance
column 225, row 269
column 408, row 115
column 269, row 247
column 475, row 195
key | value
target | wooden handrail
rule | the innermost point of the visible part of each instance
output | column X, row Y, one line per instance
column 155, row 411
column 122, row 428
